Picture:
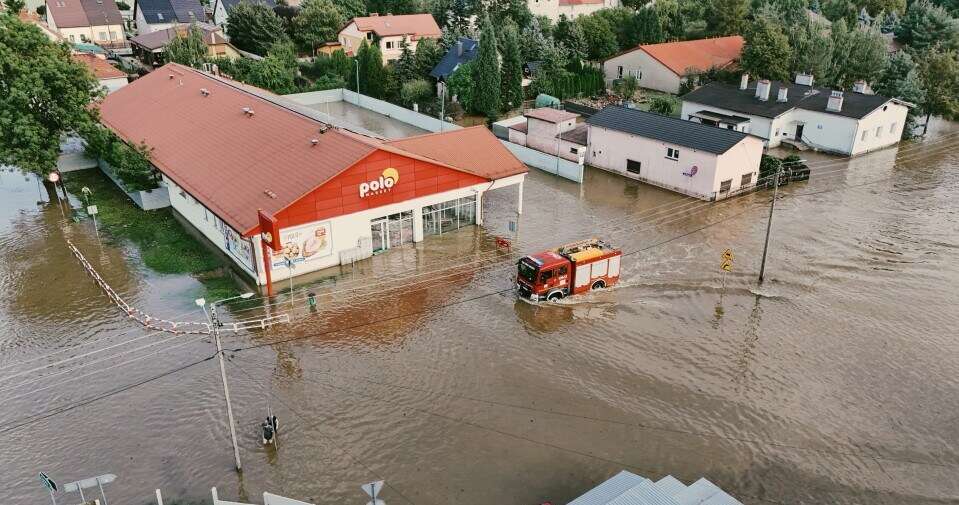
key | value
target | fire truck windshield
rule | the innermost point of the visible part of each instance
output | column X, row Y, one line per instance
column 527, row 271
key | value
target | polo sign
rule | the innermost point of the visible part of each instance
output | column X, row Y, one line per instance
column 383, row 184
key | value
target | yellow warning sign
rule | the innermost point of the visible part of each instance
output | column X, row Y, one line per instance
column 727, row 255
column 727, row 265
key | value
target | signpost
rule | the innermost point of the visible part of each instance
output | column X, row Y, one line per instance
column 50, row 486
column 372, row 490
column 726, row 265
column 98, row 482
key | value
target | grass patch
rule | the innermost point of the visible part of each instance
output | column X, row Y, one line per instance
column 165, row 246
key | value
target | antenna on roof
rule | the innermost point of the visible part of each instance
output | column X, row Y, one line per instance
column 314, row 142
column 248, row 111
column 204, row 92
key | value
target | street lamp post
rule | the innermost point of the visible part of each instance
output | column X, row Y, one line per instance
column 357, row 61
column 215, row 331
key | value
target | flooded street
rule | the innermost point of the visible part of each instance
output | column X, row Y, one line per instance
column 836, row 381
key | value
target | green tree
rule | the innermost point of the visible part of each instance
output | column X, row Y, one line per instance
column 394, row 6
column 812, row 49
column 43, row 95
column 277, row 71
column 460, row 84
column 405, row 66
column 926, row 24
column 319, row 21
column 868, row 56
column 900, row 79
column 939, row 73
column 351, row 8
column 15, row 6
column 725, row 17
column 836, row 10
column 416, row 91
column 767, row 52
column 486, row 74
column 622, row 22
column 254, row 27
column 649, row 29
column 570, row 35
column 600, row 39
column 950, row 5
column 361, row 63
column 665, row 105
column 189, row 49
column 511, row 69
column 501, row 10
column 375, row 74
column 876, row 7
column 428, row 54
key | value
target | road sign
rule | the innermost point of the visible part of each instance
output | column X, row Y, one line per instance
column 373, row 489
column 728, row 254
column 727, row 265
column 92, row 210
column 48, row 483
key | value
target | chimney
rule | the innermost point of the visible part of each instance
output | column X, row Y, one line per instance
column 859, row 86
column 459, row 48
column 804, row 79
column 744, row 82
column 783, row 93
column 762, row 89
column 835, row 102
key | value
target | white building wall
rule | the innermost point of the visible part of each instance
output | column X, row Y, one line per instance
column 541, row 135
column 882, row 127
column 742, row 159
column 759, row 126
column 114, row 83
column 650, row 73
column 552, row 9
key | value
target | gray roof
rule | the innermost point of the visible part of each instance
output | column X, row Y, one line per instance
column 171, row 11
column 729, row 97
column 453, row 59
column 626, row 488
column 698, row 136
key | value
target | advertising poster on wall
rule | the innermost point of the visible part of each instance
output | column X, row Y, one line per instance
column 238, row 246
column 304, row 244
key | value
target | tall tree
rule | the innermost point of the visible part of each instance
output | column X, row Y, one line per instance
column 767, row 52
column 486, row 74
column 277, row 71
column 511, row 69
column 460, row 85
column 839, row 64
column 405, row 66
column 351, row 8
column 812, row 49
column 375, row 73
column 188, row 49
column 361, row 62
column 501, row 10
column 43, row 94
column 648, row 27
column 394, row 6
column 600, row 38
column 428, row 54
column 319, row 21
column 254, row 27
column 622, row 21
column 900, row 79
column 939, row 73
column 725, row 17
column 868, row 56
column 570, row 35
column 926, row 24
column 834, row 10
column 14, row 6
column 876, row 7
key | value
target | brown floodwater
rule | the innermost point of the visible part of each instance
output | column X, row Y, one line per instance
column 836, row 381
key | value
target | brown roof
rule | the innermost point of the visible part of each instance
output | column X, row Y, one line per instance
column 160, row 38
column 551, row 115
column 577, row 135
column 474, row 150
column 100, row 67
column 417, row 25
column 701, row 54
column 233, row 163
column 80, row 13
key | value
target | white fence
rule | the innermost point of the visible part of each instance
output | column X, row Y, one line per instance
column 546, row 162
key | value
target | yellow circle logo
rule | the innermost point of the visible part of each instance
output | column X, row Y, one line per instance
column 392, row 173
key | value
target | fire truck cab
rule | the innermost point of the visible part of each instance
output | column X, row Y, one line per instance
column 568, row 270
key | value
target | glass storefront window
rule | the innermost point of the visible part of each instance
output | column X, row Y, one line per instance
column 448, row 216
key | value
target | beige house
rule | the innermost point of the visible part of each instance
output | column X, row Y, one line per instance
column 572, row 9
column 551, row 131
column 388, row 32
column 92, row 21
column 150, row 48
column 695, row 159
column 664, row 67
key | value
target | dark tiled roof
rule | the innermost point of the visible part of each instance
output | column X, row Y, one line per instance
column 102, row 12
column 451, row 60
column 172, row 11
column 79, row 13
column 667, row 129
column 729, row 97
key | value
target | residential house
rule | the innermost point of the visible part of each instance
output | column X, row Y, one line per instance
column 328, row 48
column 32, row 18
column 150, row 48
column 388, row 32
column 665, row 67
column 221, row 9
column 91, row 21
column 800, row 113
column 627, row 488
column 464, row 51
column 572, row 9
column 110, row 77
column 551, row 131
column 155, row 15
column 695, row 159
column 239, row 162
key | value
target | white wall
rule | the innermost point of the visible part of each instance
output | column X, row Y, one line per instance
column 114, row 84
column 889, row 123
column 541, row 135
column 220, row 15
column 552, row 9
column 759, row 126
column 610, row 149
column 650, row 73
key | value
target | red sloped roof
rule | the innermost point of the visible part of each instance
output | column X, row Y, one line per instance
column 100, row 67
column 701, row 54
column 474, row 150
column 418, row 25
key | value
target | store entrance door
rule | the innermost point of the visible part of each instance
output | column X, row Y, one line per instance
column 380, row 235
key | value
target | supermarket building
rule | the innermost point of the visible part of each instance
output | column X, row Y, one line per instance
column 236, row 159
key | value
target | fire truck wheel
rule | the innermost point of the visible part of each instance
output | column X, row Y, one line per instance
column 599, row 284
column 555, row 295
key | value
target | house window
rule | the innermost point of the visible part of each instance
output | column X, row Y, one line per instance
column 389, row 44
column 72, row 38
column 573, row 150
column 725, row 185
column 633, row 166
column 619, row 72
column 672, row 154
column 864, row 133
column 747, row 180
column 878, row 131
column 892, row 128
column 369, row 35
column 103, row 35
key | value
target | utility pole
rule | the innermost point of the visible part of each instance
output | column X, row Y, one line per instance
column 215, row 331
column 357, row 61
column 769, row 224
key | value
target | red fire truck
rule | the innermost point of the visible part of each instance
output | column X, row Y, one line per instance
column 568, row 270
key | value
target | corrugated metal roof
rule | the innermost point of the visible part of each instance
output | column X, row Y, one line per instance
column 670, row 485
column 644, row 494
column 667, row 129
column 698, row 492
column 609, row 490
